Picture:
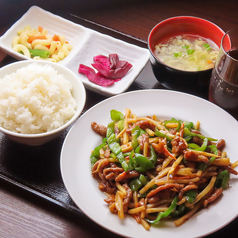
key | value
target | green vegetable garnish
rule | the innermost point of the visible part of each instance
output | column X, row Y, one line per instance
column 191, row 195
column 190, row 51
column 179, row 54
column 185, row 46
column 207, row 46
column 173, row 120
column 40, row 53
column 161, row 215
column 116, row 115
column 187, row 133
column 95, row 154
column 222, row 179
column 197, row 147
column 160, row 134
column 137, row 183
column 114, row 146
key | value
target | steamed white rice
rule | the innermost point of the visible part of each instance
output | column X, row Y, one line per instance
column 35, row 99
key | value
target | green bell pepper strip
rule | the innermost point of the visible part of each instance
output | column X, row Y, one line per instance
column 96, row 152
column 153, row 157
column 144, row 163
column 222, row 179
column 214, row 151
column 112, row 155
column 140, row 162
column 190, row 195
column 161, row 215
column 189, row 125
column 116, row 149
column 173, row 120
column 135, row 132
column 202, row 166
column 110, row 129
column 40, row 53
column 180, row 210
column 198, row 148
column 132, row 162
column 116, row 115
column 137, row 183
column 114, row 146
column 120, row 125
column 187, row 132
column 112, row 138
column 160, row 134
column 193, row 146
column 137, row 150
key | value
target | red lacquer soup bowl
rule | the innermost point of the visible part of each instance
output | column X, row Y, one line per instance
column 170, row 77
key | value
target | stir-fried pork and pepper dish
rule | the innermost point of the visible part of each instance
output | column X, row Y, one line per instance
column 153, row 169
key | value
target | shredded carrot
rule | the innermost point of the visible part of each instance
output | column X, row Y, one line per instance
column 56, row 38
column 32, row 38
column 40, row 29
column 168, row 153
column 209, row 61
column 121, row 176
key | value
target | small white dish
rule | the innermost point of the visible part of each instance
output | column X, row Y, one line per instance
column 83, row 188
column 86, row 43
column 78, row 92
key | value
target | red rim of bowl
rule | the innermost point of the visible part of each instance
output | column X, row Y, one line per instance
column 185, row 25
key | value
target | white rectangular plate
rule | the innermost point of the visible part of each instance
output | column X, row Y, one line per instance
column 86, row 43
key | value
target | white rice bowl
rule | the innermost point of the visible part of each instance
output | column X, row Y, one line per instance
column 38, row 98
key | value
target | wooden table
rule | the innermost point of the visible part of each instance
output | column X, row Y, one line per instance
column 26, row 214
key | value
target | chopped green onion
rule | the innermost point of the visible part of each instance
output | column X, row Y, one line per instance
column 179, row 54
column 207, row 46
column 190, row 51
column 185, row 46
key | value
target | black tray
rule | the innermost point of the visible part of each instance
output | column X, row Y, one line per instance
column 37, row 169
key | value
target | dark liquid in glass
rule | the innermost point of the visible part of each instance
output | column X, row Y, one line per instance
column 223, row 93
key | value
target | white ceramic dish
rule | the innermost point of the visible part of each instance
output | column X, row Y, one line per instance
column 75, row 160
column 78, row 93
column 86, row 44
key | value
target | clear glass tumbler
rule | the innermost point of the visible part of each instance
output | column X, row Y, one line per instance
column 223, row 89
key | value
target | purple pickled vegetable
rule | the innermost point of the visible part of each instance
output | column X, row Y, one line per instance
column 121, row 63
column 122, row 71
column 113, row 73
column 102, row 60
column 114, row 59
column 93, row 77
column 103, row 70
column 110, row 69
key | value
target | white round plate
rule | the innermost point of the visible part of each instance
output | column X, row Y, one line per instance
column 81, row 140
